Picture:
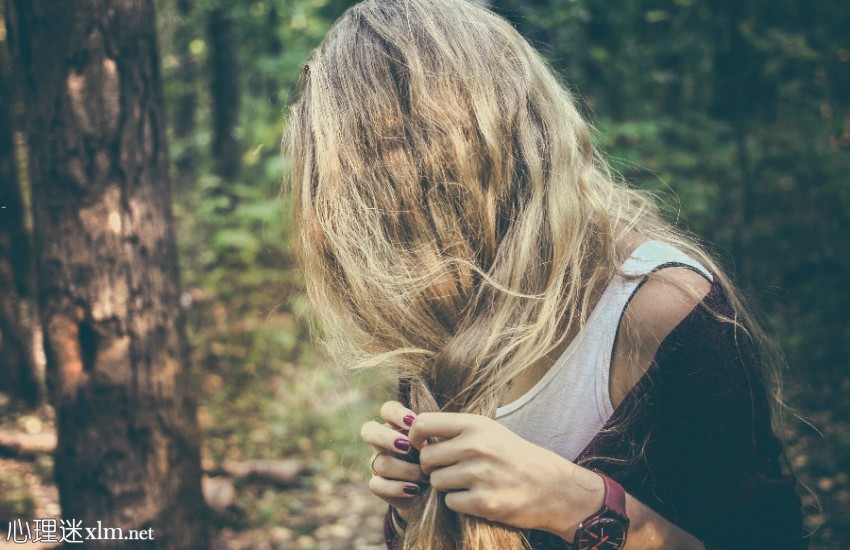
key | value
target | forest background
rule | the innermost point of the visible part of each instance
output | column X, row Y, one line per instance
column 735, row 113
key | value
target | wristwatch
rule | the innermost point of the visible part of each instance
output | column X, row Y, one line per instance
column 605, row 529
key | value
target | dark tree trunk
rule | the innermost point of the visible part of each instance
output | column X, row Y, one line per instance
column 17, row 364
column 274, row 48
column 128, row 439
column 224, row 87
column 185, row 108
column 736, row 87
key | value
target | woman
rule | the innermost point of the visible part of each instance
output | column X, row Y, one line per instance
column 572, row 369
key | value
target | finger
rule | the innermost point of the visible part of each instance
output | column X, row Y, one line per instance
column 389, row 489
column 397, row 415
column 443, row 454
column 392, row 468
column 464, row 502
column 453, row 478
column 440, row 424
column 383, row 437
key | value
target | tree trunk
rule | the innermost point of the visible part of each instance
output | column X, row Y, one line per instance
column 184, row 113
column 18, row 374
column 274, row 49
column 128, row 440
column 735, row 86
column 224, row 87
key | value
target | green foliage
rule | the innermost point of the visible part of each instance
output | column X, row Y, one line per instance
column 742, row 111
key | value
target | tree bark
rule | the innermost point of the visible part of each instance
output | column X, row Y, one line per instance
column 128, row 439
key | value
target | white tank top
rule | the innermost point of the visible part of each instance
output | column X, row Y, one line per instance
column 570, row 404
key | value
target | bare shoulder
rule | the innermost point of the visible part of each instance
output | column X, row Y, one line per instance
column 662, row 302
column 659, row 305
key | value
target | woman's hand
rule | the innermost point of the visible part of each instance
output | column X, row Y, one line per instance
column 488, row 471
column 394, row 480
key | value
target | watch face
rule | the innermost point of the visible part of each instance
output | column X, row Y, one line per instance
column 603, row 534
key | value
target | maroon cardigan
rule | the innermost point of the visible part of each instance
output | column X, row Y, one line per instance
column 711, row 463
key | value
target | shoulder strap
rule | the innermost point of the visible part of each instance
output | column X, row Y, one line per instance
column 653, row 255
column 605, row 320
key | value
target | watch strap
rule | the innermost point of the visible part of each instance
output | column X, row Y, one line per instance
column 613, row 508
column 615, row 496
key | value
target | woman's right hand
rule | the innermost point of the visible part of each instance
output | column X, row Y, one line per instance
column 396, row 481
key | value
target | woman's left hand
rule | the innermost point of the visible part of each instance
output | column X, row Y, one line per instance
column 486, row 470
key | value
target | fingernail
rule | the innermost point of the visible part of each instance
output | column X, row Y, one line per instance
column 410, row 489
column 408, row 420
column 402, row 444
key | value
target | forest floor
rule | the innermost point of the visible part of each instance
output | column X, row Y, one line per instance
column 331, row 508
column 286, row 403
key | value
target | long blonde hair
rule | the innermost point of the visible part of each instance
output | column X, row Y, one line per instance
column 452, row 215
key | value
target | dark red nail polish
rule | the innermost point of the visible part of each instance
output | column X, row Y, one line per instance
column 408, row 420
column 402, row 444
column 410, row 489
